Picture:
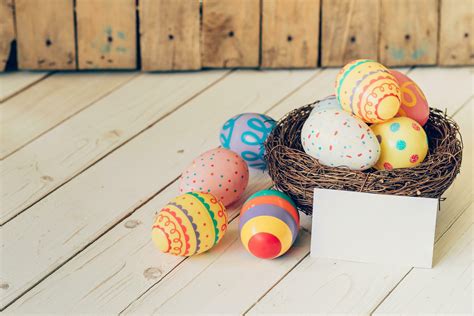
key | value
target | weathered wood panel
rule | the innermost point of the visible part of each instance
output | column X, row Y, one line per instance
column 106, row 34
column 47, row 104
column 74, row 146
column 14, row 82
column 408, row 32
column 290, row 33
column 230, row 33
column 7, row 31
column 456, row 38
column 170, row 34
column 45, row 34
column 350, row 30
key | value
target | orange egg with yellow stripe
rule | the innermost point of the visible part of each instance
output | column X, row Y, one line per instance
column 190, row 224
column 368, row 90
column 269, row 224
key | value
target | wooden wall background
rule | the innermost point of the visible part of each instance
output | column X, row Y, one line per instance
column 164, row 35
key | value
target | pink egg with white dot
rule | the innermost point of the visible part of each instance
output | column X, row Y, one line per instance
column 219, row 171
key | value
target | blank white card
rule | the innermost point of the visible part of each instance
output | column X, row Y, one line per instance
column 373, row 227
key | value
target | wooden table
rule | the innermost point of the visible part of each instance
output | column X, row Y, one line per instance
column 88, row 158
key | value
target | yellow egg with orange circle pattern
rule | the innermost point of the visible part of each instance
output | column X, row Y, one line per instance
column 403, row 143
column 368, row 90
column 190, row 224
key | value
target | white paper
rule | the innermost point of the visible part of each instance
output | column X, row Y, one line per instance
column 374, row 228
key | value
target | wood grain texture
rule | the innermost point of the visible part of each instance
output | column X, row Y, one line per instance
column 45, row 34
column 118, row 267
column 106, row 34
column 408, row 32
column 49, row 103
column 456, row 43
column 214, row 284
column 102, row 273
column 170, row 35
column 290, row 33
column 14, row 82
column 7, row 31
column 230, row 33
column 350, row 30
column 76, row 214
column 43, row 165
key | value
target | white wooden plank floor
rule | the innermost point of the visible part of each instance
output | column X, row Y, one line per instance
column 85, row 164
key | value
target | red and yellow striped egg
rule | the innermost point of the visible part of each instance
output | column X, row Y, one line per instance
column 368, row 90
column 269, row 224
column 190, row 224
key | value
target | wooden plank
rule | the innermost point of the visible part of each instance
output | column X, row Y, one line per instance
column 49, row 103
column 104, row 285
column 70, row 148
column 350, row 30
column 110, row 253
column 408, row 32
column 106, row 34
column 76, row 214
column 7, row 31
column 290, row 33
column 216, row 282
column 12, row 83
column 45, row 34
column 456, row 46
column 445, row 289
column 230, row 33
column 170, row 35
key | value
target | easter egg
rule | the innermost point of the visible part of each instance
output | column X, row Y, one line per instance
column 413, row 102
column 329, row 102
column 269, row 224
column 368, row 90
column 338, row 139
column 245, row 134
column 190, row 224
column 403, row 143
column 218, row 171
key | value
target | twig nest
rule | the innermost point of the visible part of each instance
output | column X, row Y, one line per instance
column 297, row 173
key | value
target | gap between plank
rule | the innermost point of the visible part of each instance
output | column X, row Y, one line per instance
column 29, row 85
column 118, row 146
column 70, row 116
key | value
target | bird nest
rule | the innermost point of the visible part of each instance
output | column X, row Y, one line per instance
column 297, row 173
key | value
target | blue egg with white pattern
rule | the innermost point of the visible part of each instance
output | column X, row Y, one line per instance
column 245, row 134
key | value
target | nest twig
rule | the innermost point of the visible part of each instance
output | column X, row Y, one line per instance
column 297, row 174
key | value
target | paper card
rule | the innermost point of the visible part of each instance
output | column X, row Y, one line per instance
column 374, row 228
